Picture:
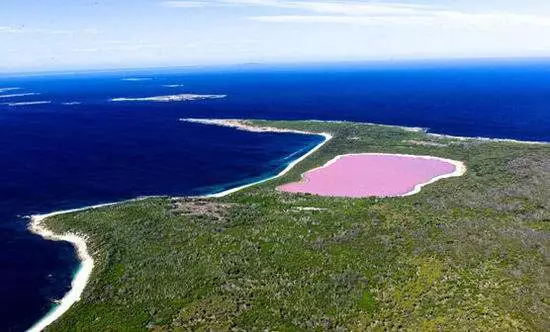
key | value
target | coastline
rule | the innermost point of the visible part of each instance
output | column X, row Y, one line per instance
column 79, row 241
column 241, row 124
column 247, row 127
column 485, row 139
column 84, row 272
column 81, row 277
column 460, row 168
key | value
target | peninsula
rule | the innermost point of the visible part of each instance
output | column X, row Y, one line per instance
column 468, row 250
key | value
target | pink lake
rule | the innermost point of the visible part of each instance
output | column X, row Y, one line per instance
column 371, row 174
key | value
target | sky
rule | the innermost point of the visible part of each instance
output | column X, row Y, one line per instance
column 39, row 35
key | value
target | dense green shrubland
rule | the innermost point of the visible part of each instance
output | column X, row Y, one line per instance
column 469, row 253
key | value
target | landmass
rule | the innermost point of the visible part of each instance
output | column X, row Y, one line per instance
column 463, row 253
column 169, row 98
column 27, row 103
column 14, row 95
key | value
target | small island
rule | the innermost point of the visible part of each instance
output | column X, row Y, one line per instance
column 169, row 98
column 466, row 251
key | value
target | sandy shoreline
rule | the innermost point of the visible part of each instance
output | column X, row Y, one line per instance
column 86, row 261
column 246, row 125
column 80, row 279
column 79, row 241
column 485, row 139
column 460, row 168
column 242, row 124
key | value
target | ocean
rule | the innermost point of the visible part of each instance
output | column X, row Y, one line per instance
column 76, row 139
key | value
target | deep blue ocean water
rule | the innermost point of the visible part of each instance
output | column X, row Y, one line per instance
column 57, row 156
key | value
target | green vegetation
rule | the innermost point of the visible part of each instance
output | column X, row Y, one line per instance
column 468, row 253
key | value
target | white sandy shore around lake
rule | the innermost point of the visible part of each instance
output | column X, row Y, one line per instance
column 79, row 241
column 460, row 168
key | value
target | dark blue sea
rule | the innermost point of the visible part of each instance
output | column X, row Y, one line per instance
column 65, row 144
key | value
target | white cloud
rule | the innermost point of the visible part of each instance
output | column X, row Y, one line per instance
column 479, row 20
column 188, row 4
column 109, row 47
column 361, row 13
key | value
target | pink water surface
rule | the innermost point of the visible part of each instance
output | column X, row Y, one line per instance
column 370, row 175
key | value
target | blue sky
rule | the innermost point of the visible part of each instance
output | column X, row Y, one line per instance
column 82, row 34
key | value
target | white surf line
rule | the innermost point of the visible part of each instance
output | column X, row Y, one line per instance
column 79, row 241
column 460, row 168
column 409, row 129
column 243, row 125
column 441, row 136
column 84, row 272
column 436, row 135
column 486, row 139
column 326, row 136
column 246, row 125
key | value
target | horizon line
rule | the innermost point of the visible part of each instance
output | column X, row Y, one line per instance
column 404, row 60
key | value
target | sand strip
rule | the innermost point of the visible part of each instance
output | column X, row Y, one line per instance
column 459, row 170
column 86, row 262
